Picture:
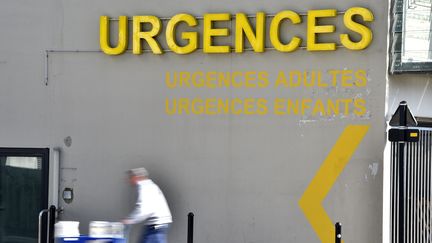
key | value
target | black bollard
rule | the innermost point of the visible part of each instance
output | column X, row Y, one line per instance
column 51, row 222
column 338, row 232
column 190, row 227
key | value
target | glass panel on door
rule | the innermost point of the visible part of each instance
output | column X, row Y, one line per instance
column 23, row 193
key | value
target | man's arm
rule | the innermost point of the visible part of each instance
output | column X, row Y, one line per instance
column 142, row 209
column 139, row 214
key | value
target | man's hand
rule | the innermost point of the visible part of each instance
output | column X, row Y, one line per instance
column 127, row 221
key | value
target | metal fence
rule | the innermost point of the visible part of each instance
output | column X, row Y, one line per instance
column 415, row 204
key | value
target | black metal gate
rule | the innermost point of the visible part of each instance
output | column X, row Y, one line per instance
column 411, row 179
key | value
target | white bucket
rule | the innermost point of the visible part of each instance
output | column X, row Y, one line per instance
column 100, row 229
column 66, row 229
column 117, row 230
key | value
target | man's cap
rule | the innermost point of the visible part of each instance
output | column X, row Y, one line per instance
column 139, row 172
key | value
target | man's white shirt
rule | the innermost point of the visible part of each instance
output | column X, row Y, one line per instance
column 151, row 205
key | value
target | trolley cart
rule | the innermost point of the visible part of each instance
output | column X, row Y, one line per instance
column 88, row 239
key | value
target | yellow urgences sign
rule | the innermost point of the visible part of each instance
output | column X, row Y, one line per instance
column 243, row 30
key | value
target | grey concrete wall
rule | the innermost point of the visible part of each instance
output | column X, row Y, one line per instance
column 242, row 176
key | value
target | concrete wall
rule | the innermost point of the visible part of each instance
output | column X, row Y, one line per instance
column 242, row 175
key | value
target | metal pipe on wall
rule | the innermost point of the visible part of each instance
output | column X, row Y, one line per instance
column 55, row 177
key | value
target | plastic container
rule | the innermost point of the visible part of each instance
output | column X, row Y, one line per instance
column 100, row 229
column 117, row 230
column 66, row 229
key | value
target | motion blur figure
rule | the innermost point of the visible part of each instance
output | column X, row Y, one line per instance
column 151, row 208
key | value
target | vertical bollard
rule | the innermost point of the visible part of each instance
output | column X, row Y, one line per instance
column 51, row 222
column 338, row 233
column 190, row 227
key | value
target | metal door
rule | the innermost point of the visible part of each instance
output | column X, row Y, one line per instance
column 23, row 193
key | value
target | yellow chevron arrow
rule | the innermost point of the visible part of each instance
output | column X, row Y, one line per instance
column 324, row 179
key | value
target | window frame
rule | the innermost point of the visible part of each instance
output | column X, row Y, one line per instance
column 396, row 66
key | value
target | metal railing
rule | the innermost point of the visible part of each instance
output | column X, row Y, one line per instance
column 411, row 179
column 48, row 237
